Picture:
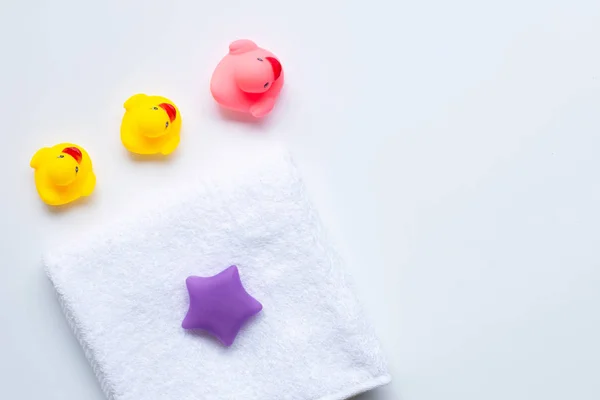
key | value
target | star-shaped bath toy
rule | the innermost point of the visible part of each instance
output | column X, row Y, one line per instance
column 219, row 305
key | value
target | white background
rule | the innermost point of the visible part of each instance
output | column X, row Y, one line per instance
column 452, row 147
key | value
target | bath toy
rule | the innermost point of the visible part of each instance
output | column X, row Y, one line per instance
column 151, row 125
column 248, row 79
column 63, row 173
column 219, row 305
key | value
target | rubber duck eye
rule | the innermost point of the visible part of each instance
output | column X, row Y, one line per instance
column 167, row 124
column 266, row 84
column 259, row 59
column 76, row 169
column 155, row 108
column 61, row 156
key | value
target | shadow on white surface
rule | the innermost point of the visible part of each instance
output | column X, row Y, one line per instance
column 153, row 158
column 86, row 201
column 258, row 124
column 381, row 393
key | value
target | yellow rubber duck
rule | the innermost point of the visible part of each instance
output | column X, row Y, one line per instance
column 151, row 125
column 63, row 173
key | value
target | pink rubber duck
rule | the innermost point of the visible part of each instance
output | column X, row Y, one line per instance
column 248, row 79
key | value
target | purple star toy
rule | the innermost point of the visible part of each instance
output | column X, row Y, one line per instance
column 219, row 305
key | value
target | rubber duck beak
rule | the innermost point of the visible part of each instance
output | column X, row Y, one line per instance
column 276, row 65
column 170, row 110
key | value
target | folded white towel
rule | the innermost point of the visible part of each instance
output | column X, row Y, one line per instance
column 123, row 291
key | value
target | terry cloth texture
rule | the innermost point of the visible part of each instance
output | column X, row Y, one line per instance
column 123, row 291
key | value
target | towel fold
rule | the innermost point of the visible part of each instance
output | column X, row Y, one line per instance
column 123, row 291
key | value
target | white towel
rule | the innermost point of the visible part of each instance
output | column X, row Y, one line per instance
column 123, row 291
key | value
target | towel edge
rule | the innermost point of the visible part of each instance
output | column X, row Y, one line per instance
column 87, row 351
column 366, row 386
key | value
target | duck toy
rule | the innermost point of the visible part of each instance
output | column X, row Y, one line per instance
column 63, row 173
column 248, row 79
column 151, row 125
